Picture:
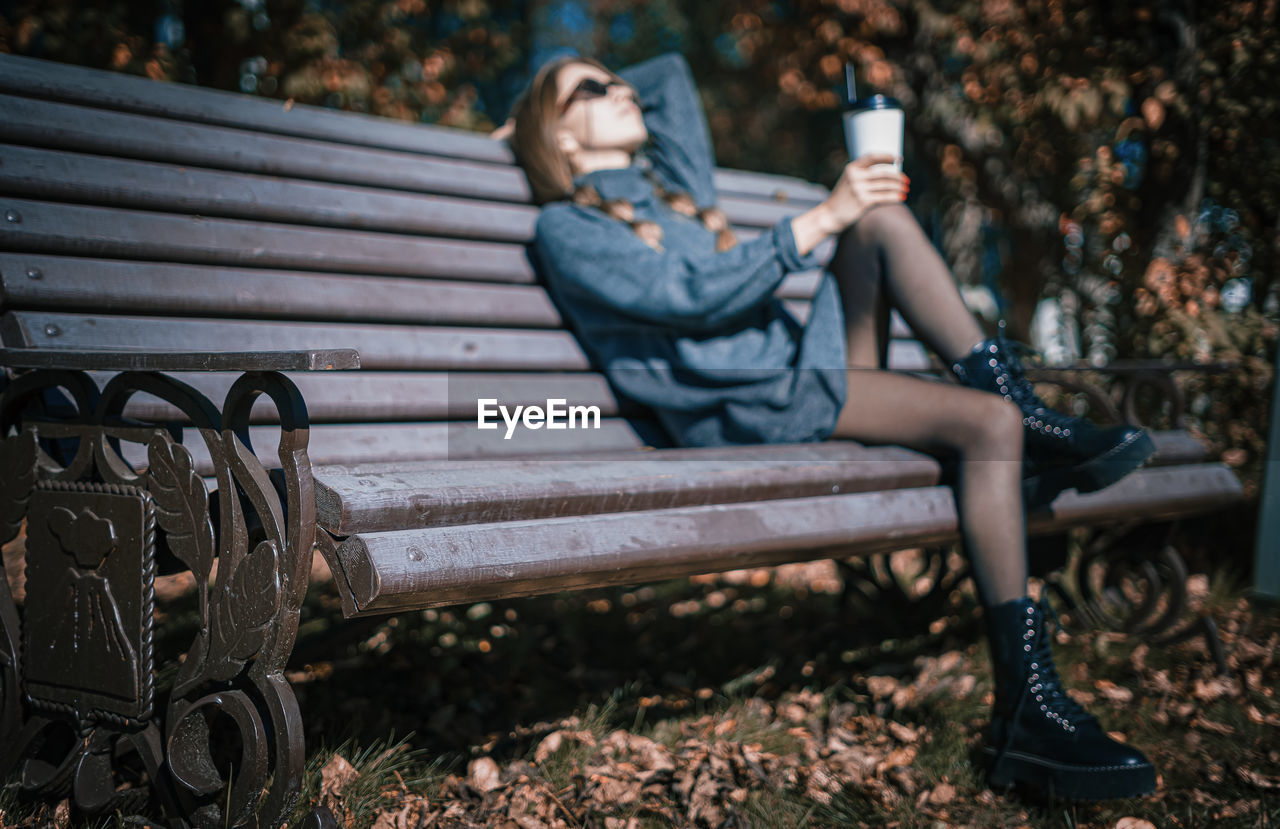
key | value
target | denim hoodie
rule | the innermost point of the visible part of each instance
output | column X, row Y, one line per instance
column 695, row 335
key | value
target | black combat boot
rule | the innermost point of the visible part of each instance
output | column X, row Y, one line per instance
column 1061, row 452
column 1041, row 737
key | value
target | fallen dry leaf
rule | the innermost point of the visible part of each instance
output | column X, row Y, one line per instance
column 1210, row 725
column 335, row 776
column 1253, row 778
column 62, row 814
column 483, row 775
column 555, row 740
column 1134, row 823
column 1113, row 692
column 942, row 794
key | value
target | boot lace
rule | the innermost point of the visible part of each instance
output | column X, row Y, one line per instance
column 1045, row 685
column 1022, row 391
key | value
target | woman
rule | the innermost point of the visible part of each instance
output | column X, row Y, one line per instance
column 681, row 316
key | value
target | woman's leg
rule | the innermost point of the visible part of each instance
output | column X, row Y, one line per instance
column 885, row 256
column 985, row 432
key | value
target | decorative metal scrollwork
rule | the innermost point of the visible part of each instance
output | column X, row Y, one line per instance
column 907, row 588
column 1133, row 580
column 80, row 710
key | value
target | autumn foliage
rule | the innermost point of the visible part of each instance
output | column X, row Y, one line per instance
column 1108, row 172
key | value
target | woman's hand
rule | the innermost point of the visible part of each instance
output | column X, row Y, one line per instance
column 504, row 131
column 858, row 190
column 865, row 183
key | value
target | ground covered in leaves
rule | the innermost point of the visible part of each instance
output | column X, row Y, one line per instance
column 763, row 698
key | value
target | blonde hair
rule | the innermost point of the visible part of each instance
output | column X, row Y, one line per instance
column 536, row 118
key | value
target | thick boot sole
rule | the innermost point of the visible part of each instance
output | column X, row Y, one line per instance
column 1068, row 782
column 1092, row 475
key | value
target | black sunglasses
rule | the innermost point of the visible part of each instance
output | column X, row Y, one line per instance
column 589, row 88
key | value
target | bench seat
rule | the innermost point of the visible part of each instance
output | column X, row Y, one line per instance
column 436, row 566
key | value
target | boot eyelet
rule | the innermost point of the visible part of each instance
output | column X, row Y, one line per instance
column 1027, row 648
column 1066, row 433
column 1045, row 708
column 993, row 362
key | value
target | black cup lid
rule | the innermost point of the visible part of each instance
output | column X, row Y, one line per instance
column 874, row 102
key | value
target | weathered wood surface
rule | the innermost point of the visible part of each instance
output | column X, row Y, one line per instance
column 50, row 227
column 88, row 130
column 449, row 565
column 149, row 185
column 434, row 567
column 371, row 500
column 45, row 80
column 353, row 444
column 381, row 346
column 144, row 360
column 57, row 228
column 70, row 283
column 389, row 396
column 376, row 497
column 43, row 282
column 1149, row 494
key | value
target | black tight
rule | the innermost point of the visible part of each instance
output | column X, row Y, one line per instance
column 885, row 259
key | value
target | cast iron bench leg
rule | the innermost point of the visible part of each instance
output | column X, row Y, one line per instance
column 218, row 738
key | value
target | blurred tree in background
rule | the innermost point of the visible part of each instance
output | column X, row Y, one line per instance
column 1106, row 176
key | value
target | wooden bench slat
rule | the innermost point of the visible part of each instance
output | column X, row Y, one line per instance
column 1152, row 493
column 123, row 135
column 75, row 284
column 472, row 493
column 771, row 186
column 343, row 444
column 403, row 495
column 69, row 283
column 146, row 185
column 449, row 565
column 138, row 359
column 149, row 185
column 374, row 396
column 380, row 346
column 46, row 80
column 49, row 227
column 80, row 230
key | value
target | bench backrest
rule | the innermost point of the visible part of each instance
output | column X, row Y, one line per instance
column 150, row 215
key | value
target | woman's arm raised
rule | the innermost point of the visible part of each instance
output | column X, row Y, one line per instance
column 680, row 142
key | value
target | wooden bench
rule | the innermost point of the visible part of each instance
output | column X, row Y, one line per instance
column 162, row 247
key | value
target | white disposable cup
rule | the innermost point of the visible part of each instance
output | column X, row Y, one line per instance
column 875, row 129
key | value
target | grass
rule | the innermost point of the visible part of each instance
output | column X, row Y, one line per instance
column 713, row 669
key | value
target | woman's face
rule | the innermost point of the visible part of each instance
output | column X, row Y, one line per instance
column 610, row 122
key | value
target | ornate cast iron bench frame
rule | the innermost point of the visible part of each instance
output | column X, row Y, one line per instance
column 85, row 658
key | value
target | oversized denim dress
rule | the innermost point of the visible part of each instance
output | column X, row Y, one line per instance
column 695, row 335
